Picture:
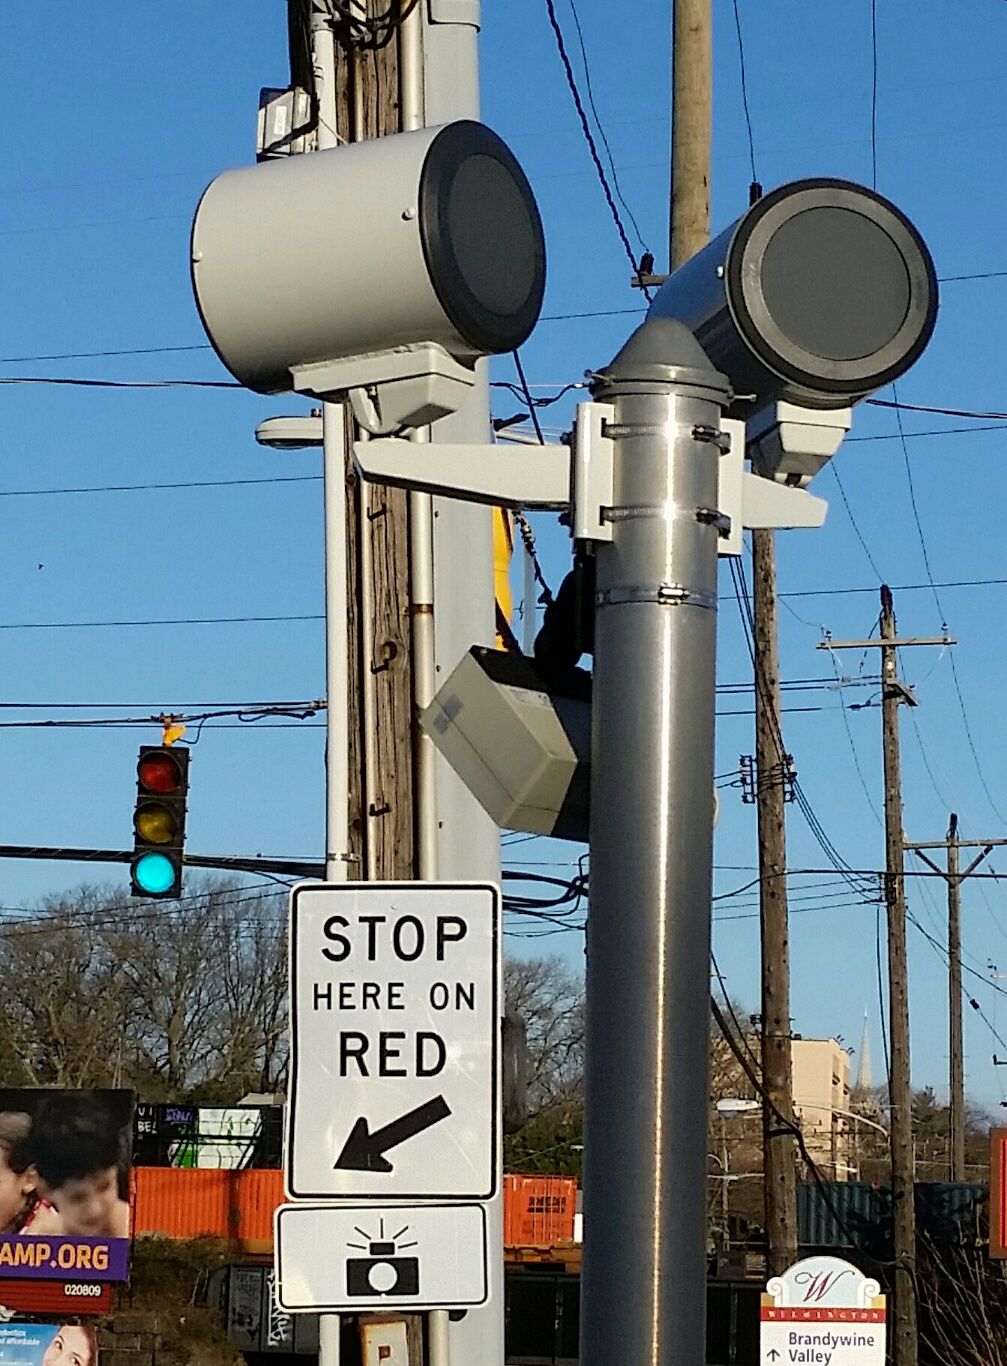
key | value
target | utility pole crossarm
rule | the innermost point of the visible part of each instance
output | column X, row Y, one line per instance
column 987, row 846
column 885, row 644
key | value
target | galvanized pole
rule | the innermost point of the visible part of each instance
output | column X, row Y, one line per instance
column 903, row 1195
column 337, row 644
column 648, row 934
column 468, row 840
column 957, row 1066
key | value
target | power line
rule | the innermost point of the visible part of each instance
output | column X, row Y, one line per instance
column 145, row 488
column 853, row 521
column 940, row 609
column 153, row 621
column 744, row 91
column 571, row 81
column 95, row 355
column 874, row 94
column 123, row 383
column 896, row 588
column 601, row 127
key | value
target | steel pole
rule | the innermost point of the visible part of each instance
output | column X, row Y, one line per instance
column 468, row 841
column 648, row 934
column 337, row 642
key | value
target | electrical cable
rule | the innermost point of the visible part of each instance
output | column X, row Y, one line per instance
column 744, row 92
column 853, row 522
column 937, row 600
column 601, row 127
column 571, row 81
column 123, row 383
column 874, row 94
column 525, row 393
column 149, row 488
column 154, row 621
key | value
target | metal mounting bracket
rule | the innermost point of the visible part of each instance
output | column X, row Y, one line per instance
column 551, row 477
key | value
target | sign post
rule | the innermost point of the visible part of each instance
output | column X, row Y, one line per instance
column 394, row 1117
column 822, row 1312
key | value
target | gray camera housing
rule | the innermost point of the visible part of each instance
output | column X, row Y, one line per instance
column 380, row 262
column 821, row 293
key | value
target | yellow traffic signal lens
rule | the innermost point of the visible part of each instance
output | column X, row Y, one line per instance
column 155, row 824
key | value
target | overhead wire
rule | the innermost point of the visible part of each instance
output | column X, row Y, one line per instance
column 601, row 127
column 744, row 92
column 937, row 600
column 585, row 124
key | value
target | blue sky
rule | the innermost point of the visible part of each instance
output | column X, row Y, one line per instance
column 142, row 106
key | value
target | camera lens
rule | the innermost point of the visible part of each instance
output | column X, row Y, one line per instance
column 382, row 1277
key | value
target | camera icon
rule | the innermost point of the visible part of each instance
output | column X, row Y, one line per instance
column 382, row 1273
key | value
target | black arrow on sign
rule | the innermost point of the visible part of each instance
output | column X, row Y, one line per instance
column 772, row 1354
column 364, row 1151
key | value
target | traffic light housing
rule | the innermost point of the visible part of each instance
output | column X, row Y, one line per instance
column 162, row 783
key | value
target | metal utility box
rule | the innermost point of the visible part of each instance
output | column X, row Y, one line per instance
column 522, row 751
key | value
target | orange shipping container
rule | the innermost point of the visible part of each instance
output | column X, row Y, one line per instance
column 182, row 1202
column 179, row 1202
column 539, row 1210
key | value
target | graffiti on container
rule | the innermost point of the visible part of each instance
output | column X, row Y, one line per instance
column 279, row 1324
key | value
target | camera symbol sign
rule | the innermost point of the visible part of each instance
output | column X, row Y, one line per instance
column 353, row 1258
column 394, row 1022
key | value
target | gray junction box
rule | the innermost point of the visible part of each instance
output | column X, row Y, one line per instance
column 523, row 751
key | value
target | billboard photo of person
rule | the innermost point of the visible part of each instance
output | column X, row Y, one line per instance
column 76, row 1150
column 64, row 1186
column 22, row 1207
column 75, row 1344
column 46, row 1344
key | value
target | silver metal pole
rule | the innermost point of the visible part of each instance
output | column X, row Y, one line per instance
column 468, row 841
column 648, row 935
column 337, row 643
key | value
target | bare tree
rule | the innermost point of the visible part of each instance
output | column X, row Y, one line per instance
column 549, row 998
column 182, row 1000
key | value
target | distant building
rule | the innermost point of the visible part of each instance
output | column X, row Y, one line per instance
column 822, row 1103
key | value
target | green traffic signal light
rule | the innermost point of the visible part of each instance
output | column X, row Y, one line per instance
column 162, row 781
column 154, row 874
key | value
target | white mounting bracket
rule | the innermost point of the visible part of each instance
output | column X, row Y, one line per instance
column 406, row 386
column 591, row 488
column 550, row 477
column 503, row 475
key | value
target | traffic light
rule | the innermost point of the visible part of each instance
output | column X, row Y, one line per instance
column 162, row 782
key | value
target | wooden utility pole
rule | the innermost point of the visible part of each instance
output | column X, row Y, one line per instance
column 893, row 693
column 692, row 99
column 691, row 127
column 957, row 1060
column 955, row 876
column 381, row 712
column 780, row 1185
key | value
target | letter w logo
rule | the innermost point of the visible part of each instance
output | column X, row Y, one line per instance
column 821, row 1284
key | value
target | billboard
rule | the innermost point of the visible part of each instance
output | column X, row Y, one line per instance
column 233, row 1138
column 48, row 1344
column 64, row 1185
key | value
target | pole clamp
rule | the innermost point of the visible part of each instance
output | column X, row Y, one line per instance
column 713, row 436
column 713, row 517
column 664, row 595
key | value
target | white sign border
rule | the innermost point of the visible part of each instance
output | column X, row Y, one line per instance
column 367, row 1208
column 375, row 887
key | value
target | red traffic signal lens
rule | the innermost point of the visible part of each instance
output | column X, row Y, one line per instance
column 159, row 772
